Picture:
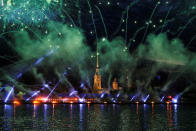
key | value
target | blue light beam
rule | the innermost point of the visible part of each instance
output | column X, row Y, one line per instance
column 146, row 98
column 7, row 98
column 36, row 93
column 53, row 90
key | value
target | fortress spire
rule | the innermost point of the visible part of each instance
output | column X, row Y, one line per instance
column 97, row 77
column 97, row 64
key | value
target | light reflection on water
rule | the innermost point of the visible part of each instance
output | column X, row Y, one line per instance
column 99, row 117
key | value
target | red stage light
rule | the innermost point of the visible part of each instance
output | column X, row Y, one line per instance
column 54, row 102
column 168, row 102
column 36, row 102
column 16, row 102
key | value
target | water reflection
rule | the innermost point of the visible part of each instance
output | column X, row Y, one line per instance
column 71, row 117
column 8, row 113
column 169, row 115
column 53, row 117
column 137, row 117
column 81, row 127
column 175, row 117
column 45, row 116
column 97, row 117
column 34, row 110
column 125, row 117
column 153, row 115
column 144, row 118
column 137, row 108
column 35, row 123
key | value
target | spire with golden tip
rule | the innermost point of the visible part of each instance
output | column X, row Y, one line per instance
column 97, row 77
column 97, row 64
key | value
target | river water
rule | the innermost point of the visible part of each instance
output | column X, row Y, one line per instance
column 98, row 117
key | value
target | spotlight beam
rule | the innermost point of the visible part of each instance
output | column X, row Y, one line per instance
column 162, row 98
column 36, row 93
column 7, row 98
column 145, row 99
column 52, row 90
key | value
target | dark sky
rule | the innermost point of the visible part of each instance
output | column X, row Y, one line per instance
column 121, row 17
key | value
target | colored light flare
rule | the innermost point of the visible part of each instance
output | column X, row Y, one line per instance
column 54, row 102
column 72, row 100
column 146, row 98
column 118, row 95
column 16, row 102
column 113, row 100
column 73, row 93
column 175, row 99
column 168, row 102
column 59, row 100
column 46, row 85
column 41, row 99
column 134, row 97
column 81, row 100
column 19, row 75
column 39, row 61
column 162, row 99
column 82, row 85
column 102, row 95
column 36, row 102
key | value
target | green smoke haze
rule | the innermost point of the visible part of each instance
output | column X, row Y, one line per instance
column 71, row 54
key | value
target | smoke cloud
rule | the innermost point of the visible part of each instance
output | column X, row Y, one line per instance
column 62, row 53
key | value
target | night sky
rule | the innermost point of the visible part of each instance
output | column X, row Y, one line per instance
column 134, row 24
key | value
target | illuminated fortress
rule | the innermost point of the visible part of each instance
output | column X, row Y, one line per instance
column 97, row 88
column 97, row 78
